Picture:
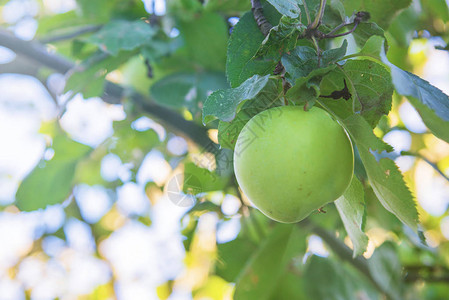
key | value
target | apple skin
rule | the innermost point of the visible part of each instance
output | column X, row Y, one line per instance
column 290, row 162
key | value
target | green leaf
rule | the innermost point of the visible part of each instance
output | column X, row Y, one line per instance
column 404, row 25
column 123, row 35
column 281, row 38
column 228, row 132
column 201, row 180
column 224, row 104
column 260, row 277
column 51, row 181
column 188, row 232
column 385, row 268
column 53, row 24
column 384, row 176
column 231, row 7
column 244, row 43
column 307, row 89
column 373, row 47
column 431, row 103
column 351, row 207
column 232, row 257
column 187, row 89
column 371, row 88
column 382, row 11
column 325, row 279
column 301, row 61
column 203, row 207
column 290, row 286
column 131, row 145
column 158, row 48
column 290, row 8
column 99, row 9
column 89, row 77
column 88, row 170
column 366, row 30
column 205, row 40
column 439, row 8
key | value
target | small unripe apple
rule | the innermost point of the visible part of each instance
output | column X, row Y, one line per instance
column 290, row 162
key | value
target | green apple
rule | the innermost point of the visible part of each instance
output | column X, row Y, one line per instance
column 290, row 162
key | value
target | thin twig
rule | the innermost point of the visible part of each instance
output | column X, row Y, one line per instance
column 432, row 164
column 71, row 35
column 318, row 50
column 358, row 17
column 331, row 36
column 307, row 12
column 339, row 27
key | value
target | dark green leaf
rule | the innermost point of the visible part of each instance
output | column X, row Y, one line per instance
column 326, row 279
column 351, row 207
column 206, row 38
column 382, row 11
column 290, row 286
column 99, row 9
column 303, row 60
column 281, row 38
column 366, row 30
column 187, row 89
column 404, row 25
column 232, row 257
column 224, row 104
column 307, row 89
column 232, row 7
column 385, row 268
column 244, row 43
column 123, row 35
column 267, row 98
column 260, row 277
column 51, row 181
column 370, row 86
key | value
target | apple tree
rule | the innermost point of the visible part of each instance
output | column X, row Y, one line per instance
column 218, row 76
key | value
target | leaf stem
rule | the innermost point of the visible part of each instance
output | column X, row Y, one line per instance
column 71, row 35
column 318, row 49
column 307, row 11
column 319, row 15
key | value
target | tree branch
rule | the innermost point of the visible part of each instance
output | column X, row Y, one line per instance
column 343, row 252
column 433, row 165
column 71, row 35
column 113, row 93
column 261, row 21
